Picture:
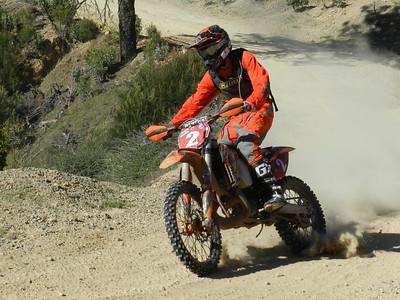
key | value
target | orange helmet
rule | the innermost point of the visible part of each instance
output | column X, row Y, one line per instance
column 214, row 45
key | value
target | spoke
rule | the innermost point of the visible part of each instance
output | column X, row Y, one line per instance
column 189, row 244
column 204, row 250
column 185, row 240
column 292, row 198
column 195, row 246
column 189, row 210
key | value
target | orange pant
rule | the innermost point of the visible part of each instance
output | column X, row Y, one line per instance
column 247, row 130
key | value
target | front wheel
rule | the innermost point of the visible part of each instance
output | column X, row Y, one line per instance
column 300, row 235
column 199, row 250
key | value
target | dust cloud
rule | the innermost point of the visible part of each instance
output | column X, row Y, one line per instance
column 340, row 242
column 343, row 116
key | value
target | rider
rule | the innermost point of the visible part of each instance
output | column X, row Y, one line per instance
column 235, row 74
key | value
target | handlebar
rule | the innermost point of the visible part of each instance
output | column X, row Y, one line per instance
column 231, row 108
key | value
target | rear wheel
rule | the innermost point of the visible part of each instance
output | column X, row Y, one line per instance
column 199, row 250
column 298, row 233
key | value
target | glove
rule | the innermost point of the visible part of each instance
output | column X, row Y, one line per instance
column 247, row 106
column 170, row 128
column 158, row 132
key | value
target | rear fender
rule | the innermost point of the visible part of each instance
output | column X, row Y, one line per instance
column 279, row 158
column 194, row 159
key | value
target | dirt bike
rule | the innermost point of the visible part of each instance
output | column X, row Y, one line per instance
column 229, row 194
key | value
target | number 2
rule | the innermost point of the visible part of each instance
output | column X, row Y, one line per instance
column 192, row 137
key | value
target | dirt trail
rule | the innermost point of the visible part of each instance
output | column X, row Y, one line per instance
column 61, row 238
column 57, row 247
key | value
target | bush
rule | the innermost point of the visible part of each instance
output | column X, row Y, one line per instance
column 61, row 13
column 4, row 144
column 298, row 4
column 15, row 33
column 155, row 47
column 100, row 61
column 84, row 30
column 138, row 26
column 7, row 105
column 86, row 159
column 157, row 92
column 7, row 108
column 134, row 159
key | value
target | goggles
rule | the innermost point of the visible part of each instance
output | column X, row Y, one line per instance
column 211, row 51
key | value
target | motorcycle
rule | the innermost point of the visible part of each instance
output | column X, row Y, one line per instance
column 217, row 190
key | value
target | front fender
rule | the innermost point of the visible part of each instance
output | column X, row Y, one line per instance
column 194, row 159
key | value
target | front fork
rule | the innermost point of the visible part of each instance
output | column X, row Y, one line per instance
column 208, row 203
column 208, row 195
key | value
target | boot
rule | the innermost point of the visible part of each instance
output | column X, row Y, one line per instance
column 264, row 172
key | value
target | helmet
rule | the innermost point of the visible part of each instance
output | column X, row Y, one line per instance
column 213, row 45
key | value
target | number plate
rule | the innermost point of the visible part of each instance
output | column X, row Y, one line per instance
column 193, row 137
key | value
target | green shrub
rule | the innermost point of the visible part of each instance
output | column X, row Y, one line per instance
column 297, row 4
column 86, row 159
column 61, row 14
column 100, row 61
column 138, row 26
column 155, row 47
column 15, row 33
column 84, row 30
column 59, row 10
column 84, row 87
column 4, row 144
column 157, row 92
column 7, row 105
column 134, row 160
column 7, row 108
column 22, row 29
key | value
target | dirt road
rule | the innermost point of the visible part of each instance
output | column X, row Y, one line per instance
column 61, row 238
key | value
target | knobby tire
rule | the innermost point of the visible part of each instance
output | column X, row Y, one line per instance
column 287, row 229
column 201, row 268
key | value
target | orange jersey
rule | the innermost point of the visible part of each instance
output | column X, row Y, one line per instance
column 256, row 76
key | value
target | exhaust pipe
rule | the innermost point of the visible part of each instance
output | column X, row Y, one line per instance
column 240, row 215
column 293, row 209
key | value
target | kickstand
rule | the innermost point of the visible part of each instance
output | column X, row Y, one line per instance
column 262, row 227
